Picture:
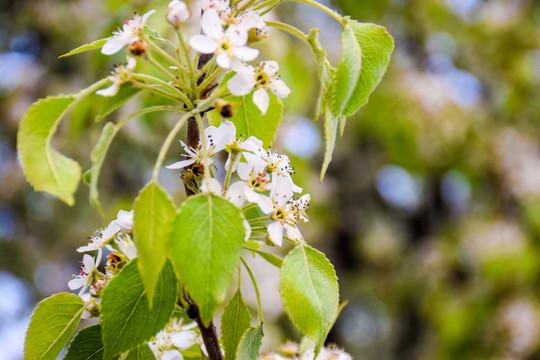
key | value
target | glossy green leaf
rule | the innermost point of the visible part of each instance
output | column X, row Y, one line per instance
column 51, row 326
column 126, row 317
column 345, row 77
column 44, row 167
column 331, row 123
column 206, row 240
column 377, row 46
column 86, row 345
column 234, row 323
column 97, row 156
column 154, row 215
column 112, row 103
column 86, row 47
column 141, row 352
column 271, row 258
column 309, row 290
column 250, row 345
column 249, row 120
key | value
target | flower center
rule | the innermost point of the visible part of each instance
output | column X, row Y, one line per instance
column 262, row 79
column 259, row 181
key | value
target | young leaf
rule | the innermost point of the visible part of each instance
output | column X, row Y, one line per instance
column 86, row 47
column 97, row 156
column 206, row 239
column 154, row 215
column 152, row 34
column 86, row 345
column 51, row 326
column 126, row 317
column 141, row 352
column 271, row 258
column 249, row 346
column 324, row 70
column 331, row 122
column 309, row 290
column 377, row 46
column 345, row 78
column 234, row 323
column 44, row 167
column 112, row 103
column 250, row 121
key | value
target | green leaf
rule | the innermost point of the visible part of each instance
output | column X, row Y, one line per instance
column 152, row 34
column 345, row 78
column 126, row 317
column 331, row 122
column 271, row 258
column 112, row 103
column 154, row 215
column 51, row 326
column 44, row 167
column 206, row 239
column 377, row 46
column 86, row 345
column 141, row 352
column 249, row 120
column 86, row 47
column 250, row 345
column 309, row 290
column 97, row 156
column 234, row 323
column 324, row 70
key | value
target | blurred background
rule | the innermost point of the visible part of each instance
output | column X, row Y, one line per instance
column 430, row 210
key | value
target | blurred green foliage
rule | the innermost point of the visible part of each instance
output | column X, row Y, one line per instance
column 430, row 209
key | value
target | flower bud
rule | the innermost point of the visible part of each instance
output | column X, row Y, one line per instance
column 177, row 12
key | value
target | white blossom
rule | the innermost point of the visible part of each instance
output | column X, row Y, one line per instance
column 219, row 5
column 177, row 12
column 263, row 78
column 130, row 33
column 228, row 45
column 216, row 141
column 283, row 217
column 83, row 280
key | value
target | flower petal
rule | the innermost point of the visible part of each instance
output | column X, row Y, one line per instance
column 261, row 99
column 215, row 186
column 223, row 60
column 270, row 67
column 114, row 44
column 245, row 53
column 279, row 88
column 211, row 24
column 111, row 90
column 292, row 232
column 125, row 220
column 181, row 164
column 203, row 44
column 275, row 231
column 184, row 339
column 235, row 193
column 241, row 84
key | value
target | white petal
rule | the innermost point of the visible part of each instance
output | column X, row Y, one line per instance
column 114, row 44
column 181, row 164
column 125, row 220
column 270, row 67
column 247, row 227
column 111, row 90
column 252, row 144
column 88, row 264
column 203, row 44
column 282, row 189
column 296, row 188
column 223, row 60
column 177, row 12
column 131, row 63
column 172, row 355
column 264, row 202
column 261, row 99
column 235, row 193
column 215, row 186
column 275, row 231
column 292, row 232
column 249, row 20
column 279, row 88
column 239, row 67
column 184, row 339
column 145, row 17
column 110, row 231
column 236, row 35
column 240, row 84
column 77, row 282
column 211, row 24
column 245, row 53
column 254, row 162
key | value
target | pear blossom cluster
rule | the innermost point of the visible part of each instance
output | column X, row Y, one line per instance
column 116, row 238
column 175, row 338
column 294, row 351
column 262, row 177
column 226, row 34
